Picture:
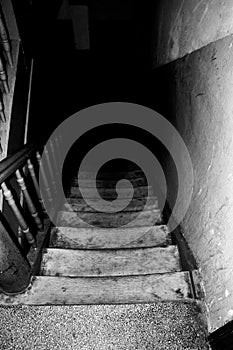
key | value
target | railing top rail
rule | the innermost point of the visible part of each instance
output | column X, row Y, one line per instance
column 9, row 165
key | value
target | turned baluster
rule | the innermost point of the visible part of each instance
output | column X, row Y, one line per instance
column 54, row 158
column 5, row 39
column 2, row 108
column 44, row 177
column 60, row 145
column 1, row 148
column 50, row 170
column 3, row 77
column 20, row 235
column 28, row 200
column 22, row 223
column 35, row 184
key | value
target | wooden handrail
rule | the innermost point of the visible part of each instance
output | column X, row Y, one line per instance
column 9, row 165
column 29, row 214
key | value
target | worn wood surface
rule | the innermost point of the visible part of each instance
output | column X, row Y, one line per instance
column 109, row 183
column 107, row 220
column 110, row 193
column 137, row 204
column 129, row 174
column 46, row 290
column 119, row 262
column 9, row 165
column 98, row 238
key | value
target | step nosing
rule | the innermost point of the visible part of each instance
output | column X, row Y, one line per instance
column 167, row 248
column 97, row 228
column 113, row 276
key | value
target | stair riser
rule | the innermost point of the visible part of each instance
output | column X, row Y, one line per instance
column 136, row 205
column 134, row 174
column 141, row 237
column 106, row 193
column 139, row 182
column 108, row 220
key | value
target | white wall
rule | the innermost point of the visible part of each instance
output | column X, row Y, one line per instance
column 202, row 88
column 187, row 25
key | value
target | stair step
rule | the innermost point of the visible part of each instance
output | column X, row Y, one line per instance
column 120, row 262
column 47, row 290
column 137, row 204
column 98, row 238
column 74, row 219
column 110, row 193
column 132, row 174
column 109, row 183
column 157, row 326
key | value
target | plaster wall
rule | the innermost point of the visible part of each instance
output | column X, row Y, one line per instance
column 201, row 107
column 183, row 26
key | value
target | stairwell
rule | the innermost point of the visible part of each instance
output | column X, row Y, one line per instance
column 106, row 286
column 110, row 287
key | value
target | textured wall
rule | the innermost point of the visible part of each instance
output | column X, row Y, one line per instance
column 187, row 25
column 201, row 85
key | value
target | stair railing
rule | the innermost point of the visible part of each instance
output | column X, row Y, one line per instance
column 24, row 222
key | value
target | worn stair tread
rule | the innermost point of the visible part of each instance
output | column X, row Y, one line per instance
column 110, row 193
column 120, row 262
column 109, row 183
column 136, row 204
column 47, row 290
column 98, row 238
column 130, row 174
column 74, row 219
column 156, row 326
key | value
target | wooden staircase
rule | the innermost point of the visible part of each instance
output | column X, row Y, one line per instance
column 115, row 264
column 109, row 264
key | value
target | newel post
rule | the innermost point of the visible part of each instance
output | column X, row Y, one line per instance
column 14, row 268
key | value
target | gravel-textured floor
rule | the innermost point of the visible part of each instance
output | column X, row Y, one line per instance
column 160, row 326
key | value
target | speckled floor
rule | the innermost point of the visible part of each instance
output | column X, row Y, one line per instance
column 160, row 326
